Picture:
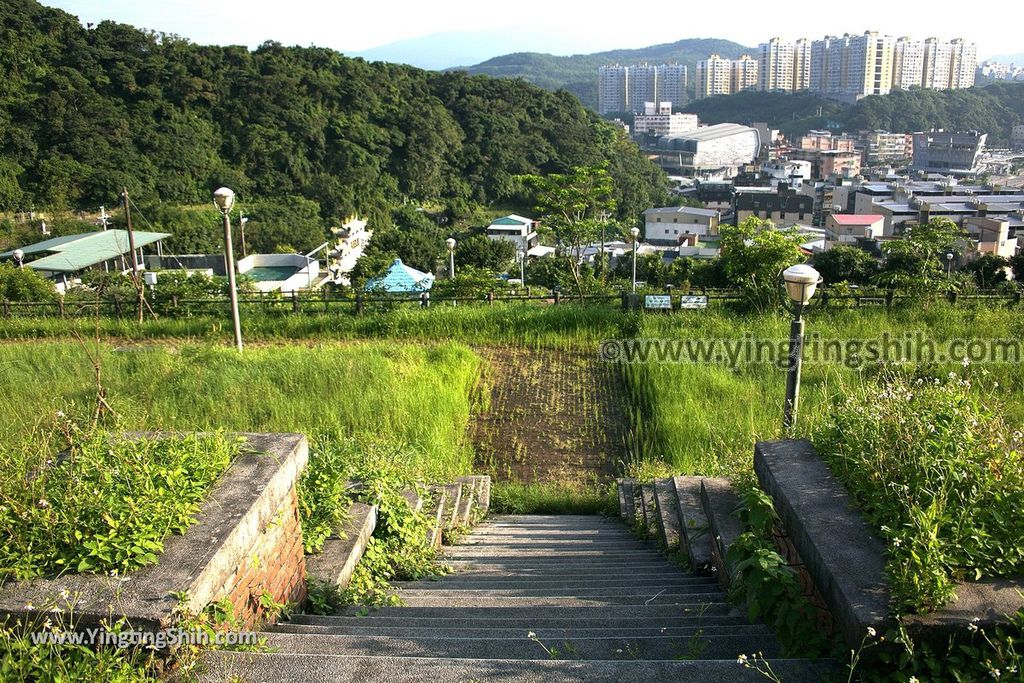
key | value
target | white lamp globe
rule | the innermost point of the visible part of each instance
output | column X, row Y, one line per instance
column 224, row 198
column 801, row 281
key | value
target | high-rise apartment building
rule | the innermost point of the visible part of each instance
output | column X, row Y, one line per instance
column 907, row 64
column 744, row 74
column 869, row 65
column 802, row 57
column 963, row 64
column 775, row 67
column 612, row 89
column 643, row 86
column 672, row 82
column 713, row 77
column 855, row 66
column 626, row 88
column 938, row 56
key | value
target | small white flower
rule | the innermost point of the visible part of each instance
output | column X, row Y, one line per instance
column 913, row 679
column 871, row 632
column 973, row 628
column 965, row 362
column 43, row 503
column 531, row 635
column 29, row 605
column 742, row 660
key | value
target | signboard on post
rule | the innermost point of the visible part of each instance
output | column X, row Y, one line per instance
column 658, row 302
column 693, row 302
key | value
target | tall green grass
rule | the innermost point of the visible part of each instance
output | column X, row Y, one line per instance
column 417, row 397
column 704, row 419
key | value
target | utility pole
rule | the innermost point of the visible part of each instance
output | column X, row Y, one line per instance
column 131, row 245
column 104, row 222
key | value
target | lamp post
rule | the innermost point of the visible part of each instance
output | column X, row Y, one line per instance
column 224, row 198
column 801, row 281
column 634, row 232
column 19, row 258
column 521, row 257
column 949, row 265
column 451, row 256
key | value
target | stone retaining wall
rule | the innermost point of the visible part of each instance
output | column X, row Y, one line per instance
column 246, row 541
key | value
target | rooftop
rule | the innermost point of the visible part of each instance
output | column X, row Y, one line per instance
column 512, row 219
column 716, row 132
column 682, row 210
column 401, row 279
column 853, row 219
column 72, row 253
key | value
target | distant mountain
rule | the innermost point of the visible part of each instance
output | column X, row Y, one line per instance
column 578, row 73
column 439, row 51
column 1008, row 59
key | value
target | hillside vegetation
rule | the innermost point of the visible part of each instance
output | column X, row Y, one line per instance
column 85, row 111
column 994, row 109
column 578, row 73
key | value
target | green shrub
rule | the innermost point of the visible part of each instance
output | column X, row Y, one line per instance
column 107, row 504
column 939, row 476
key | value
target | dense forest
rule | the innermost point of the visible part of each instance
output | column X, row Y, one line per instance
column 993, row 109
column 578, row 73
column 84, row 111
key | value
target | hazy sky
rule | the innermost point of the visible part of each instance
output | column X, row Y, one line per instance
column 566, row 26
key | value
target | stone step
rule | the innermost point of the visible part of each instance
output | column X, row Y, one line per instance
column 601, row 592
column 649, row 508
column 719, row 501
column 695, row 540
column 456, row 630
column 261, row 667
column 541, row 574
column 452, row 498
column 337, row 559
column 612, row 648
column 667, row 510
column 712, row 607
column 488, row 582
column 435, row 513
column 468, row 551
column 609, row 621
column 552, row 601
column 558, row 545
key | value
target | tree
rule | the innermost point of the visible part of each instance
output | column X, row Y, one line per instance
column 24, row 284
column 917, row 262
column 478, row 251
column 574, row 206
column 988, row 270
column 843, row 263
column 1017, row 264
column 753, row 256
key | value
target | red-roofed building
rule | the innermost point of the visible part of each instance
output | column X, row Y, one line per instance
column 850, row 229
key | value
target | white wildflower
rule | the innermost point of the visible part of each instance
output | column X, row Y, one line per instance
column 43, row 503
column 871, row 632
column 531, row 635
column 742, row 660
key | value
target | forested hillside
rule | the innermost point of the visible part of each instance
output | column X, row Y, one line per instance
column 85, row 111
column 994, row 109
column 578, row 73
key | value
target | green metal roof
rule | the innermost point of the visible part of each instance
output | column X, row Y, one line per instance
column 72, row 253
column 511, row 220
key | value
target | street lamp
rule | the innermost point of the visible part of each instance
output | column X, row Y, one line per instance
column 635, row 232
column 19, row 258
column 451, row 256
column 949, row 265
column 521, row 257
column 224, row 198
column 801, row 281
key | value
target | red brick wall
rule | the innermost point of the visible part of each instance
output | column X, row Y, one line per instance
column 822, row 616
column 275, row 564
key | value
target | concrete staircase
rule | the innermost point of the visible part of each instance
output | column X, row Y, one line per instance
column 531, row 598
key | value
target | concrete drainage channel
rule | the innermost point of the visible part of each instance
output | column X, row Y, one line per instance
column 532, row 598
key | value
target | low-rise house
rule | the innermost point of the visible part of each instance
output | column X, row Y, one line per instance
column 784, row 206
column 991, row 236
column 284, row 273
column 64, row 259
column 852, row 229
column 516, row 229
column 672, row 224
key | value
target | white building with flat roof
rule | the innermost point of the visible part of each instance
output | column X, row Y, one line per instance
column 673, row 224
column 658, row 120
column 516, row 229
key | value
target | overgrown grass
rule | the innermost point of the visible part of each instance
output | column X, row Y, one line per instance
column 938, row 474
column 415, row 396
column 105, row 505
column 705, row 418
column 551, row 498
